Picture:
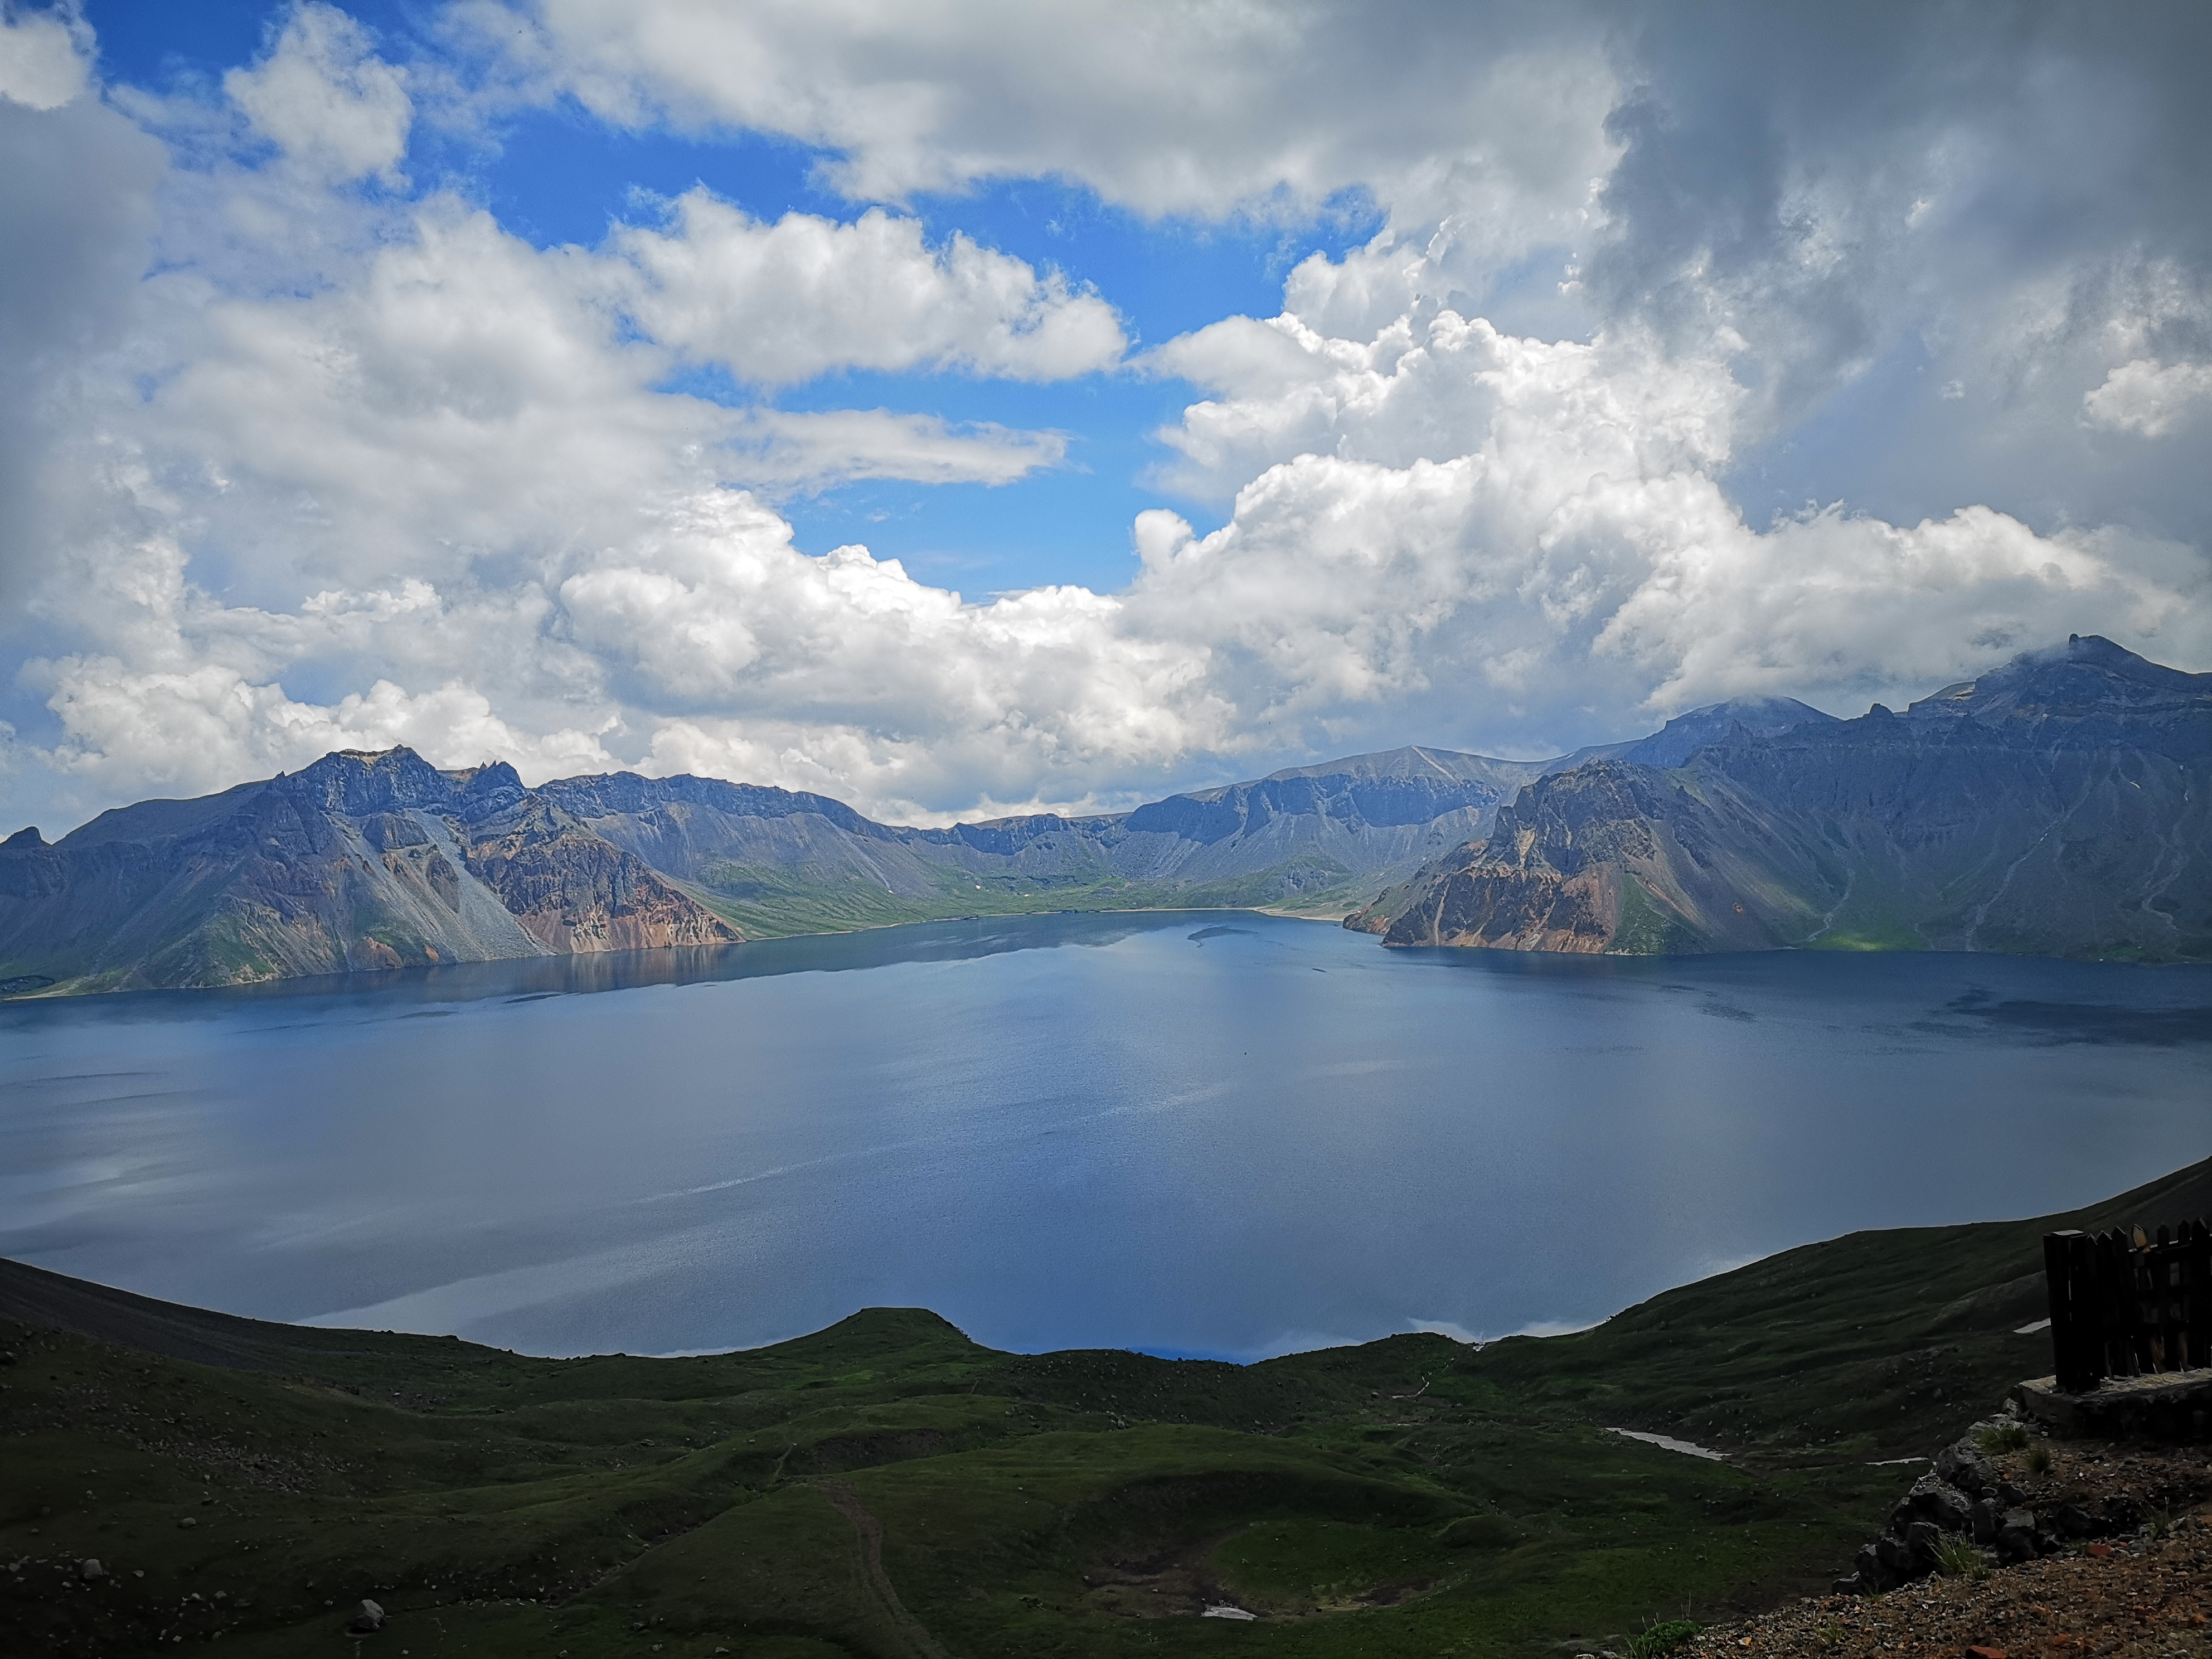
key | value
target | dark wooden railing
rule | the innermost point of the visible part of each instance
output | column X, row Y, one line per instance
column 2127, row 1304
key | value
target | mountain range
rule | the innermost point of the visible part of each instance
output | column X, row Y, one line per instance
column 2056, row 806
column 378, row 860
column 2061, row 806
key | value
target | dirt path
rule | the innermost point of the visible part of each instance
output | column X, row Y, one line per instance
column 870, row 1533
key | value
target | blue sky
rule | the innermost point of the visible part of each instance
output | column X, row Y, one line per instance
column 557, row 174
column 501, row 377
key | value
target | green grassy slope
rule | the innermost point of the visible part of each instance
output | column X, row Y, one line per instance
column 888, row 1488
column 768, row 902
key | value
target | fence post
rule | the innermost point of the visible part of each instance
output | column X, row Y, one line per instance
column 2076, row 1344
column 2196, row 1291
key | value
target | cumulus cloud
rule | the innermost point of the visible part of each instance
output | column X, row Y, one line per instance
column 349, row 467
column 1542, row 524
column 1172, row 109
column 2143, row 397
column 42, row 56
column 785, row 302
column 325, row 99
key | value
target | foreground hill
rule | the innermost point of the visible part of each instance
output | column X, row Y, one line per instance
column 888, row 1488
column 2059, row 806
column 381, row 860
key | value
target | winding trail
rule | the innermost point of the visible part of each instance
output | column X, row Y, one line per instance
column 869, row 1532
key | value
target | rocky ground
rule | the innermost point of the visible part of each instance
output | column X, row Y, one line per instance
column 2142, row 1589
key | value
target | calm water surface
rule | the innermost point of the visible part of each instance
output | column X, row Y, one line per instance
column 1196, row 1133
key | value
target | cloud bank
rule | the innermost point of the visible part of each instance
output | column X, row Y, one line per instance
column 305, row 453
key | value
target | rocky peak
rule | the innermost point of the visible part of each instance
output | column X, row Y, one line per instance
column 25, row 840
column 492, row 787
column 356, row 782
column 2089, row 678
column 1742, row 720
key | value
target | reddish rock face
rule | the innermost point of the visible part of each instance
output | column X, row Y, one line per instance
column 2059, row 806
column 362, row 862
column 574, row 892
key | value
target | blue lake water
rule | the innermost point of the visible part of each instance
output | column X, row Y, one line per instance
column 1216, row 1132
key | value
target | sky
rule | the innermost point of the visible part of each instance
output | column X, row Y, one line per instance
column 967, row 408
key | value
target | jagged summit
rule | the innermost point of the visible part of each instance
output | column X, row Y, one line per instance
column 2056, row 805
column 1740, row 720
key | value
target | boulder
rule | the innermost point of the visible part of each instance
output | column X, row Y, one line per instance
column 1962, row 1464
column 367, row 1620
column 89, row 1569
column 2016, row 1535
column 1897, row 1557
column 1987, row 1515
column 1933, row 1499
column 2072, row 1521
column 1922, row 1538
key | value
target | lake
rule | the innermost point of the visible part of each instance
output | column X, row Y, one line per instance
column 1197, row 1132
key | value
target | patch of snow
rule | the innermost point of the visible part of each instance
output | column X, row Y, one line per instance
column 1223, row 1610
column 2030, row 1330
column 1668, row 1443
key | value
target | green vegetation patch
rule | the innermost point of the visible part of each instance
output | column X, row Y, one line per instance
column 1647, row 928
column 887, row 1488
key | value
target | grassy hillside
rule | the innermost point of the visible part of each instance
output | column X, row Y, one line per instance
column 769, row 902
column 888, row 1488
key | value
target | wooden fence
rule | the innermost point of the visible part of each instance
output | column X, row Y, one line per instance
column 2126, row 1304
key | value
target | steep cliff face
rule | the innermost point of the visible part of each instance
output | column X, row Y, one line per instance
column 573, row 891
column 1609, row 856
column 2061, row 806
column 359, row 861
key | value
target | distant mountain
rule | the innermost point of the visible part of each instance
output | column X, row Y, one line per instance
column 380, row 861
column 2061, row 806
column 360, row 861
column 2058, row 807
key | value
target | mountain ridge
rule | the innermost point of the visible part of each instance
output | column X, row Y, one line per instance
column 370, row 859
column 2056, row 806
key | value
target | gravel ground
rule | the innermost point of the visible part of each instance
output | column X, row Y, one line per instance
column 2146, row 1593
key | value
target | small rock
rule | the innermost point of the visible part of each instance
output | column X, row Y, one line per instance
column 367, row 1620
column 89, row 1569
column 189, row 1521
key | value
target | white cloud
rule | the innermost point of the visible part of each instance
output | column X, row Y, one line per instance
column 1495, row 114
column 784, row 302
column 2143, row 397
column 323, row 97
column 42, row 56
column 351, row 468
column 446, row 491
